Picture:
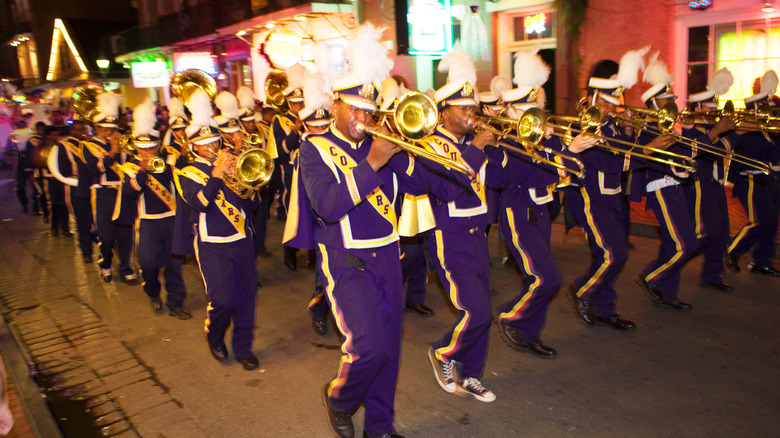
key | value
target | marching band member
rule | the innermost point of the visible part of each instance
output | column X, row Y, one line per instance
column 223, row 243
column 55, row 189
column 660, row 279
column 759, row 194
column 525, row 216
column 459, row 243
column 156, row 194
column 40, row 203
column 228, row 121
column 706, row 197
column 114, row 213
column 595, row 204
column 176, row 153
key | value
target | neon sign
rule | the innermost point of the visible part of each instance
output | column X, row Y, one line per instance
column 201, row 60
column 535, row 23
column 699, row 4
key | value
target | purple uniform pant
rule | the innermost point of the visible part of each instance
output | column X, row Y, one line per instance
column 463, row 264
column 82, row 211
column 155, row 237
column 760, row 198
column 413, row 269
column 529, row 242
column 182, row 231
column 366, row 295
column 709, row 213
column 230, row 277
column 601, row 217
column 109, row 232
column 678, row 239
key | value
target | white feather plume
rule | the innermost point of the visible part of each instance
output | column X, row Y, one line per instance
column 769, row 83
column 175, row 108
column 500, row 84
column 200, row 107
column 108, row 103
column 295, row 75
column 459, row 66
column 530, row 70
column 367, row 56
column 630, row 65
column 227, row 104
column 246, row 97
column 657, row 72
column 323, row 62
column 721, row 82
column 261, row 68
column 389, row 90
column 316, row 93
column 144, row 118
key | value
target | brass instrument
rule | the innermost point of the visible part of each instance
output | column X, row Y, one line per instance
column 254, row 168
column 530, row 129
column 85, row 100
column 39, row 155
column 186, row 82
column 416, row 117
column 590, row 124
column 275, row 84
column 154, row 164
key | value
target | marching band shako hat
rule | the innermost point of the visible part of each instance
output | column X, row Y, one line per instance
column 369, row 65
column 201, row 131
column 520, row 98
column 228, row 106
column 108, row 110
column 768, row 88
column 531, row 72
column 492, row 99
column 461, row 77
column 391, row 92
column 658, row 76
column 719, row 85
column 144, row 119
column 318, row 117
column 612, row 87
column 246, row 104
column 295, row 78
column 177, row 119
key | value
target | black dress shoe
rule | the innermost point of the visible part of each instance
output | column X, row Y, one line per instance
column 290, row 259
column 54, row 232
column 180, row 313
column 265, row 254
column 731, row 263
column 340, row 424
column 219, row 353
column 420, row 308
column 723, row 287
column 674, row 304
column 652, row 290
column 541, row 350
column 583, row 309
column 156, row 303
column 387, row 435
column 617, row 323
column 766, row 270
column 250, row 363
column 511, row 336
column 320, row 325
column 66, row 233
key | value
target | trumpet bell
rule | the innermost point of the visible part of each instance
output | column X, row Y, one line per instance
column 416, row 116
column 667, row 117
column 156, row 165
column 532, row 126
column 186, row 82
column 590, row 121
column 254, row 168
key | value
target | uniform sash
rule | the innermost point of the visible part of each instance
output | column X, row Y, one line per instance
column 161, row 191
column 230, row 211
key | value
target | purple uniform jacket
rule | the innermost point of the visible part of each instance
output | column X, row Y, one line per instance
column 282, row 137
column 100, row 167
column 655, row 170
column 604, row 168
column 536, row 180
column 68, row 159
column 155, row 192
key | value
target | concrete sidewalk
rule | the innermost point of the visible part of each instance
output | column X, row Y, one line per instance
column 709, row 372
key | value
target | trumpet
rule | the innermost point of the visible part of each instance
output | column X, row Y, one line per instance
column 530, row 129
column 416, row 117
column 154, row 164
column 590, row 124
column 253, row 170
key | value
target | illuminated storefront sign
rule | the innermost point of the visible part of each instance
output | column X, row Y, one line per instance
column 200, row 60
column 535, row 23
column 429, row 27
column 699, row 4
column 149, row 74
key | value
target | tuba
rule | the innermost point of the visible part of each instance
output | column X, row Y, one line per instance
column 254, row 168
column 275, row 84
column 85, row 100
column 39, row 156
column 186, row 82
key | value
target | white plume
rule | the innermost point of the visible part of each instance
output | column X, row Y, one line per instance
column 769, row 83
column 295, row 76
column 367, row 56
column 323, row 62
column 630, row 65
column 500, row 84
column 261, row 68
column 530, row 70
column 227, row 104
column 246, row 97
column 175, row 108
column 459, row 65
column 200, row 107
column 108, row 103
column 721, row 82
column 316, row 93
column 144, row 118
column 389, row 90
column 657, row 72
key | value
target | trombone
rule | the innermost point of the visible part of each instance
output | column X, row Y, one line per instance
column 530, row 129
column 590, row 123
column 667, row 117
column 416, row 117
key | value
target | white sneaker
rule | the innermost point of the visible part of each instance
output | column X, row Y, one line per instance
column 474, row 387
column 106, row 274
column 443, row 372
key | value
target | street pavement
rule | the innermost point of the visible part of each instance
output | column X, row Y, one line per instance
column 710, row 372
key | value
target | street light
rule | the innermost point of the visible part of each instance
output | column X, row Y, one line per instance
column 103, row 63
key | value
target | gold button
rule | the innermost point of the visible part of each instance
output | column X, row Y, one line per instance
column 471, row 231
column 373, row 254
